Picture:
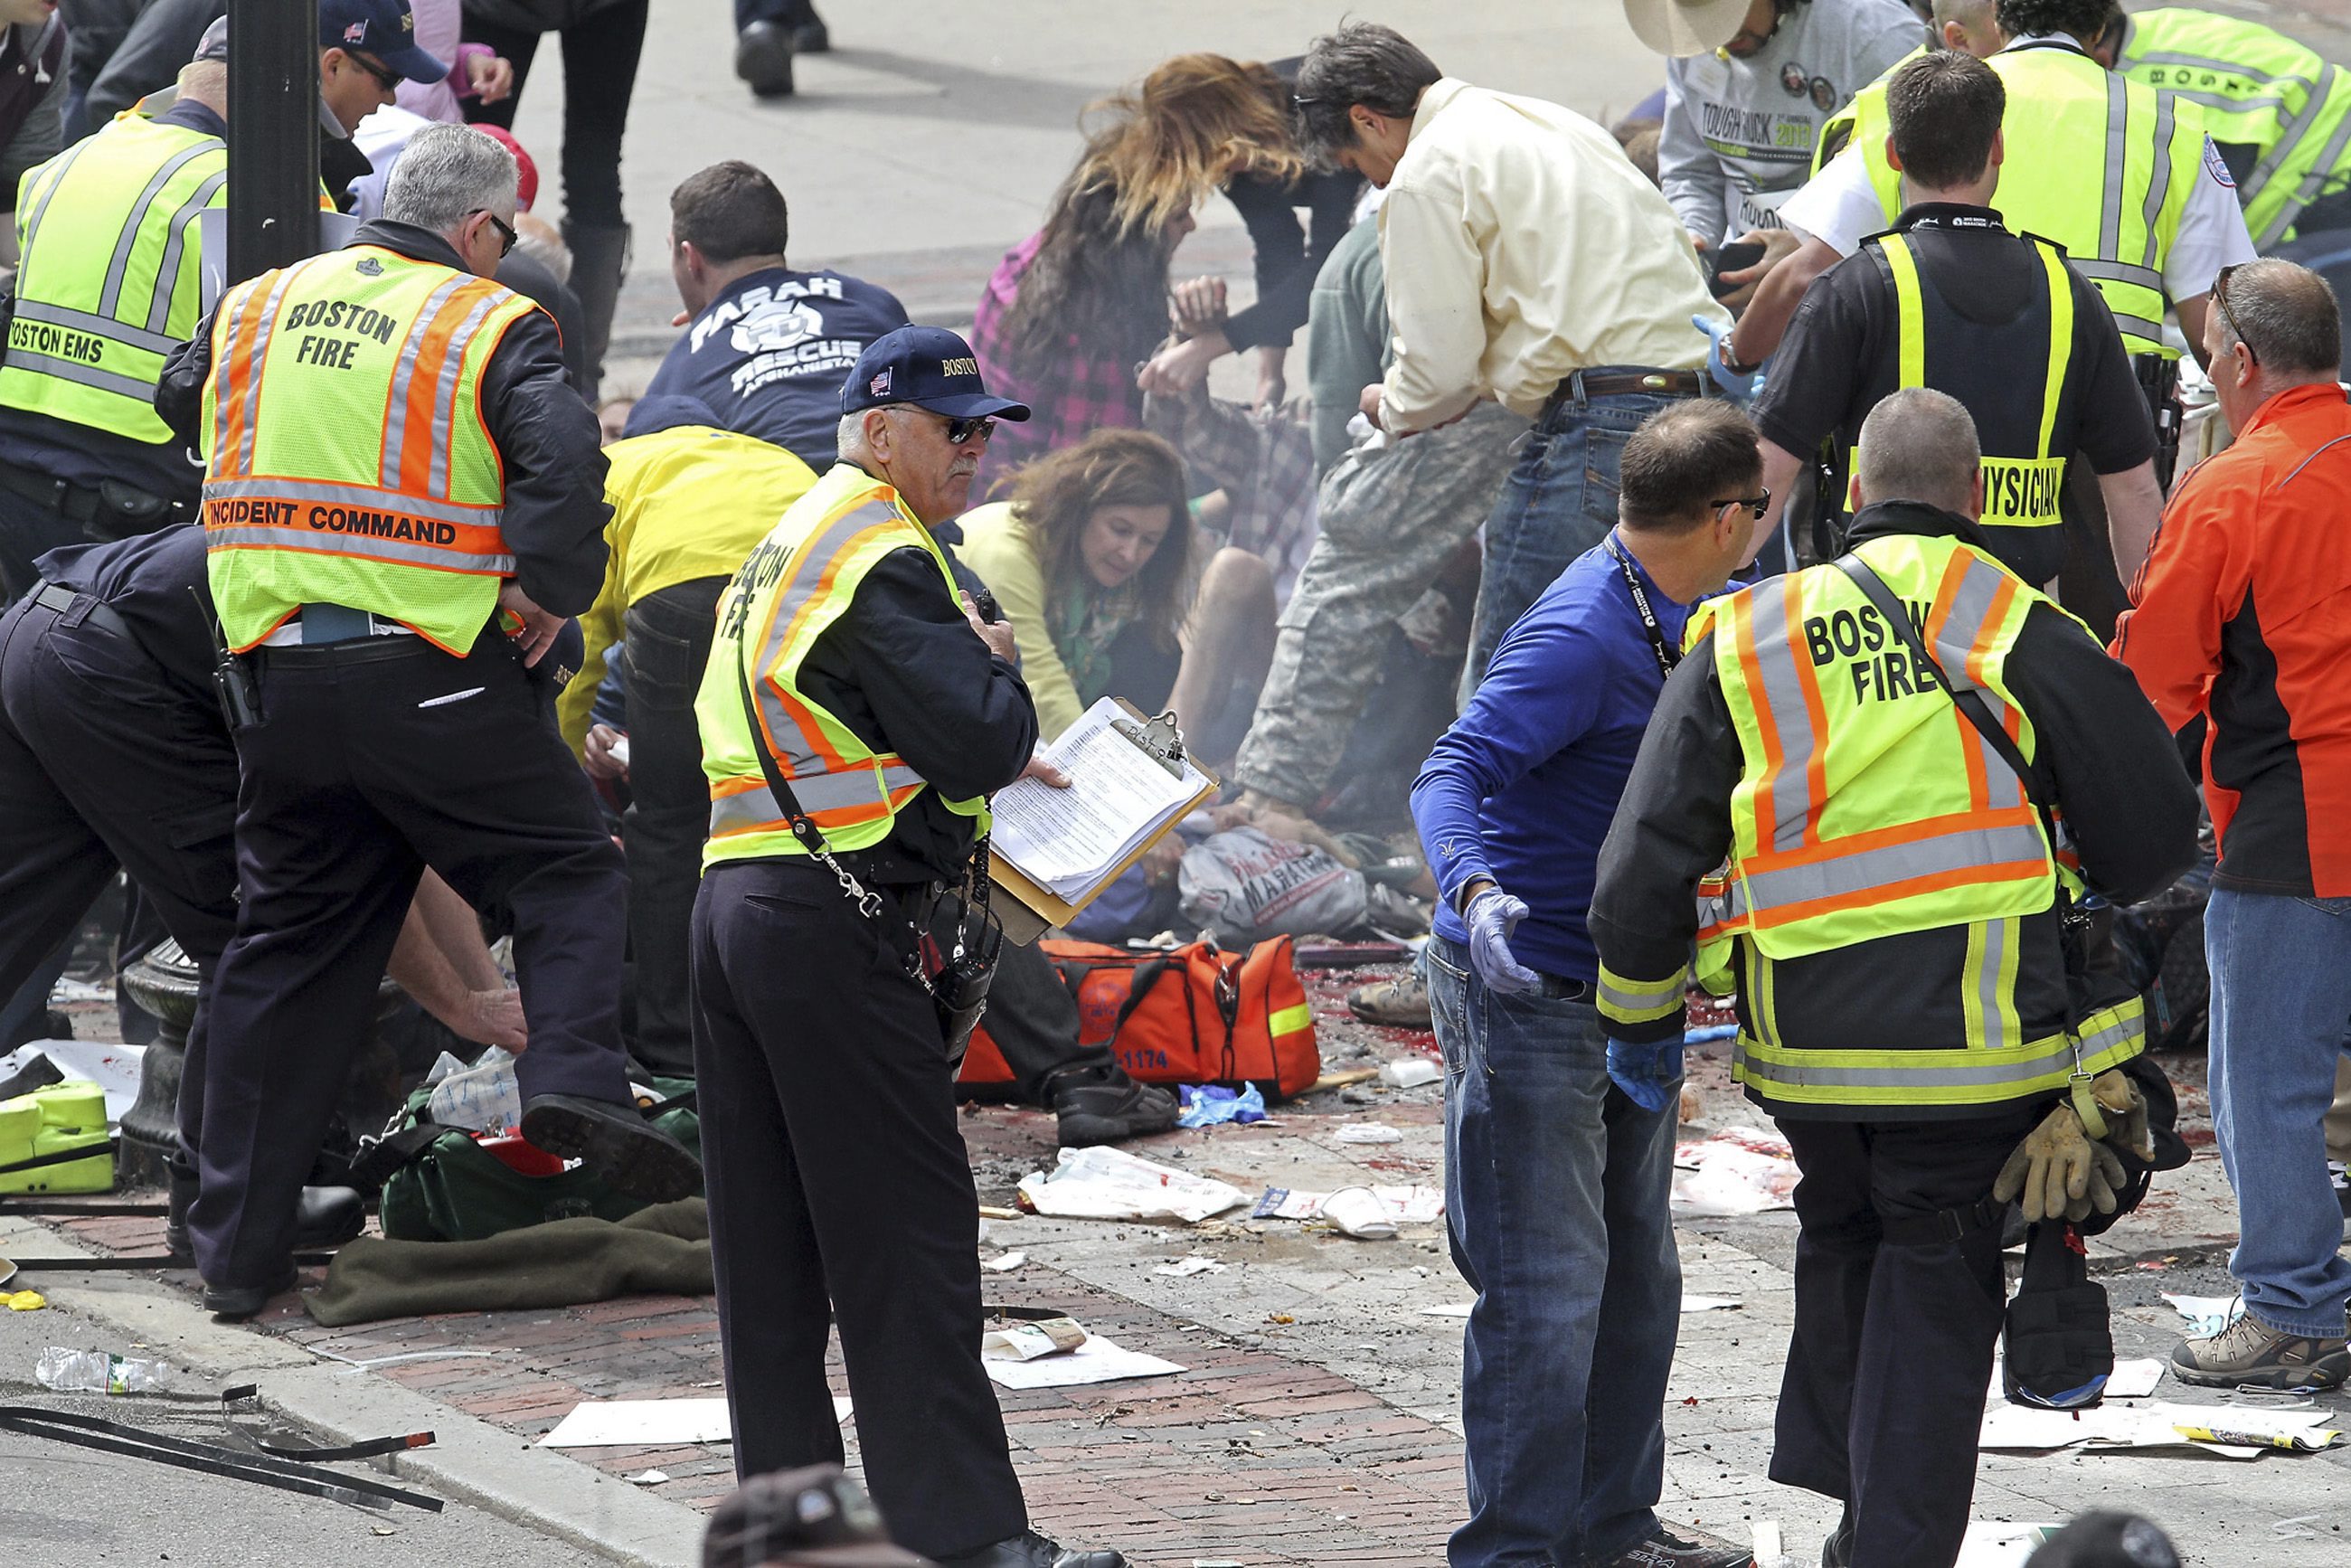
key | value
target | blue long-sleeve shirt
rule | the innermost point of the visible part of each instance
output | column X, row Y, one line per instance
column 1523, row 786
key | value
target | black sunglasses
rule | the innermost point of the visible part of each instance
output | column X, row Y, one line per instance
column 385, row 78
column 1758, row 504
column 979, row 427
column 506, row 235
column 2229, row 317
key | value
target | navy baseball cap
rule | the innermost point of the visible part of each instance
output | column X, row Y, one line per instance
column 383, row 28
column 928, row 367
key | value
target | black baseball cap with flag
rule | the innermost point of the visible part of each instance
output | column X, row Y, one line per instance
column 928, row 367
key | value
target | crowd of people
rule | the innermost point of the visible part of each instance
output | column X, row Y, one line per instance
column 1746, row 549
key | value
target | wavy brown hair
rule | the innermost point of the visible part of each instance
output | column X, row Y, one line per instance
column 1100, row 275
column 1195, row 122
column 1053, row 497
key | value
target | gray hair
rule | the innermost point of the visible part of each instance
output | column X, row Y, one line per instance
column 850, row 436
column 2286, row 314
column 1966, row 13
column 1363, row 63
column 205, row 82
column 448, row 172
column 1920, row 444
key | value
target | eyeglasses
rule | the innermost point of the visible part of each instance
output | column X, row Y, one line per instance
column 385, row 78
column 2229, row 317
column 979, row 427
column 506, row 235
column 1759, row 503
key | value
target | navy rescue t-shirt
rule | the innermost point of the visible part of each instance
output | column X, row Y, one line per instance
column 769, row 356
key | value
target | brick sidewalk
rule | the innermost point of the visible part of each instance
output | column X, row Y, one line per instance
column 1249, row 1456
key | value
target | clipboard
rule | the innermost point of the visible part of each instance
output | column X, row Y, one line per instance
column 1033, row 910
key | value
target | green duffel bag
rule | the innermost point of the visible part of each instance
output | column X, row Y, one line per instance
column 450, row 1188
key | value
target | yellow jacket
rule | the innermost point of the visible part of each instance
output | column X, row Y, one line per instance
column 997, row 545
column 688, row 502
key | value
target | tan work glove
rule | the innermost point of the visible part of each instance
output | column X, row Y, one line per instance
column 2122, row 1108
column 2060, row 1171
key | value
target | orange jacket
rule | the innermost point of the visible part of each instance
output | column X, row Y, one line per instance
column 2243, row 613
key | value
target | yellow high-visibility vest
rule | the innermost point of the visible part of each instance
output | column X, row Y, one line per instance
column 2258, row 88
column 346, row 459
column 797, row 582
column 107, row 288
column 1868, row 806
column 2102, row 165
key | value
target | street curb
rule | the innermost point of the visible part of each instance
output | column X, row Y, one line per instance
column 471, row 1460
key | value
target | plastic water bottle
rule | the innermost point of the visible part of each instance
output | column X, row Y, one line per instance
column 96, row 1371
column 484, row 1098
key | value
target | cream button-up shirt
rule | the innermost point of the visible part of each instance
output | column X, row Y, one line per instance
column 1521, row 245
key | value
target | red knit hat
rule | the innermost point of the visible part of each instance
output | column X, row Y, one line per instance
column 526, row 188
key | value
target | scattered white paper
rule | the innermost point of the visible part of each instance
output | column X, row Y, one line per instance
column 1006, row 1264
column 1989, row 1544
column 2153, row 1426
column 1111, row 1183
column 1368, row 1132
column 2207, row 1315
column 649, row 1478
column 2135, row 1379
column 1406, row 1205
column 1409, row 1072
column 1184, row 1267
column 1689, row 1304
column 650, row 1422
column 1096, row 1361
column 1118, row 793
column 1739, row 1170
column 1027, row 1341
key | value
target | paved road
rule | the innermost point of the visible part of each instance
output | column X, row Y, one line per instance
column 65, row 1507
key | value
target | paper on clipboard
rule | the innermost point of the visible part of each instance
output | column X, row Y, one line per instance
column 1124, row 790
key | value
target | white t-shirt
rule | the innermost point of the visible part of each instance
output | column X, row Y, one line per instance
column 1839, row 207
column 1739, row 135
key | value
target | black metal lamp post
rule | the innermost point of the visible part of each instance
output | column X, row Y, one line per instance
column 273, row 135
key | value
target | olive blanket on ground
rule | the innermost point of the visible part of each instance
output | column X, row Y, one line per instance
column 661, row 1250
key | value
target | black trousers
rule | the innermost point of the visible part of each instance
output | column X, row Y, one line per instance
column 29, row 529
column 840, row 1188
column 1882, row 1400
column 104, row 763
column 668, row 635
column 372, row 759
column 599, row 74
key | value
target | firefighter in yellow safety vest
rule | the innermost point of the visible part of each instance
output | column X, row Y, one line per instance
column 1885, row 874
column 855, row 714
column 396, row 470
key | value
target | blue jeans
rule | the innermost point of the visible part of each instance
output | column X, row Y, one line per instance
column 2281, row 992
column 1559, row 501
column 1555, row 1194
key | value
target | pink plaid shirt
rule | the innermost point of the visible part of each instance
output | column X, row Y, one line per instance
column 1081, row 392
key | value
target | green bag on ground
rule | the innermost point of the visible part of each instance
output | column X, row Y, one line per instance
column 458, row 1191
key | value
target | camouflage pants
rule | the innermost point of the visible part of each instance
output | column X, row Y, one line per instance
column 1389, row 521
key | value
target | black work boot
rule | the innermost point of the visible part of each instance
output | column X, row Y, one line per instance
column 1098, row 1103
column 324, row 1216
column 1836, row 1552
column 235, row 1303
column 1030, row 1550
column 763, row 58
column 617, row 1143
column 810, row 34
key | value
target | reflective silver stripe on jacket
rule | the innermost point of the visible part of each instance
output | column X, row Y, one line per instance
column 757, row 808
column 1789, row 714
column 159, row 312
column 2098, row 271
column 1868, row 871
column 1645, row 1000
column 395, row 429
column 801, row 756
column 2158, row 182
column 367, row 547
column 65, row 369
column 2110, row 211
column 129, row 337
column 2313, row 180
column 2015, row 1069
column 326, row 493
column 117, row 267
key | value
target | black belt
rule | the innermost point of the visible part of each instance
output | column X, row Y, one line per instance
column 113, row 501
column 76, row 609
column 1624, row 383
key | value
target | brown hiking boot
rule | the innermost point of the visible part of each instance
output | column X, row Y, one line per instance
column 2249, row 1354
column 1398, row 1004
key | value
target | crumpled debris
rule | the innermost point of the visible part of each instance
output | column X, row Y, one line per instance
column 1111, row 1183
column 1206, row 1104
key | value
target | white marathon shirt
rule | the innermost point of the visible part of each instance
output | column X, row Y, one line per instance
column 1739, row 135
column 1839, row 208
